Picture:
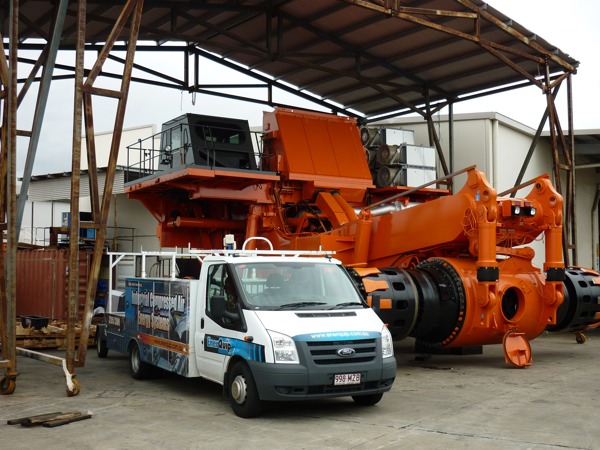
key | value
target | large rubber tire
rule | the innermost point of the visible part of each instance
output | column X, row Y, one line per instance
column 139, row 369
column 101, row 348
column 243, row 394
column 367, row 400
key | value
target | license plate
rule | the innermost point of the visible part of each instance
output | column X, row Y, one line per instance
column 346, row 378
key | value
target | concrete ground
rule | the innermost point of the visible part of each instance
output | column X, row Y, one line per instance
column 449, row 402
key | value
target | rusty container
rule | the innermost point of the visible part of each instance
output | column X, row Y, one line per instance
column 42, row 277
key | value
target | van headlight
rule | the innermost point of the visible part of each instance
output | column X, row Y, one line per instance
column 284, row 349
column 387, row 344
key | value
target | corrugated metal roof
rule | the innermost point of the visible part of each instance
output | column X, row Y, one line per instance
column 370, row 58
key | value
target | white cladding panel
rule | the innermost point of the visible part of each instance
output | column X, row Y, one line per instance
column 59, row 188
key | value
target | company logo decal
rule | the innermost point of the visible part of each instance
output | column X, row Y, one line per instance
column 345, row 352
column 220, row 344
column 228, row 346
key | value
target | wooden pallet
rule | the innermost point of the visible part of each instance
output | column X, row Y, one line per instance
column 52, row 336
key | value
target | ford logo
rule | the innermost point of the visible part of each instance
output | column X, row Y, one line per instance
column 345, row 352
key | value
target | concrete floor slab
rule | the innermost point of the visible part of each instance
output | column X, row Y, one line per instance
column 449, row 402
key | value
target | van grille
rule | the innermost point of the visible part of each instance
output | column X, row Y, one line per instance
column 311, row 315
column 325, row 352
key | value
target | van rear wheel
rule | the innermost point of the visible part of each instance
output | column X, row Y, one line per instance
column 139, row 369
column 243, row 394
column 101, row 347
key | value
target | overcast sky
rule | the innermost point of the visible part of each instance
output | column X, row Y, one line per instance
column 571, row 26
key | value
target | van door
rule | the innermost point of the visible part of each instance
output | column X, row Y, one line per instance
column 221, row 321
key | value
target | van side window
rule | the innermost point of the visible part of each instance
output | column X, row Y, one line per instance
column 221, row 288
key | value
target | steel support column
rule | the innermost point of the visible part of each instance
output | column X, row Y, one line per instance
column 434, row 138
column 4, row 81
column 16, row 205
column 133, row 10
column 451, row 135
column 9, row 202
column 573, row 215
column 557, row 139
column 73, row 283
column 40, row 107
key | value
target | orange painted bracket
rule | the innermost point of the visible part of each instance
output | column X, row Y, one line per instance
column 517, row 351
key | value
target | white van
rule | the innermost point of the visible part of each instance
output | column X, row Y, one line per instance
column 266, row 325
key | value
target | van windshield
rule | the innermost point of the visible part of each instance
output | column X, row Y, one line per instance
column 297, row 285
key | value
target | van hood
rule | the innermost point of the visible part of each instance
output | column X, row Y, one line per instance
column 311, row 325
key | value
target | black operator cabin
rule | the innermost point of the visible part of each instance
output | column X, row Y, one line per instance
column 193, row 139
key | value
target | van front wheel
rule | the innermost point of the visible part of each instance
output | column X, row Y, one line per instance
column 243, row 395
column 367, row 400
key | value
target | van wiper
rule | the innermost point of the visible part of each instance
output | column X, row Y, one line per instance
column 300, row 305
column 345, row 304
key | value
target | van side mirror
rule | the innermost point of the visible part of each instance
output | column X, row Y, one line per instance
column 376, row 302
column 218, row 309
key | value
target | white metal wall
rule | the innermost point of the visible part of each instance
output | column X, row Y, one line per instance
column 130, row 136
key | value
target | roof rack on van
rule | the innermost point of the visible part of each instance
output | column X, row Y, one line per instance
column 169, row 258
column 256, row 252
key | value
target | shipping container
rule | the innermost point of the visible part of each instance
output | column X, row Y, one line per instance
column 42, row 282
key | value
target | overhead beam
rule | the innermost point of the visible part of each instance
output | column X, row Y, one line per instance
column 516, row 34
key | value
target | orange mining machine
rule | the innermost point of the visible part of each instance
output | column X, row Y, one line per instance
column 451, row 270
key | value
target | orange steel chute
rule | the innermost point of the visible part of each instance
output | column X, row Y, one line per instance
column 452, row 271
